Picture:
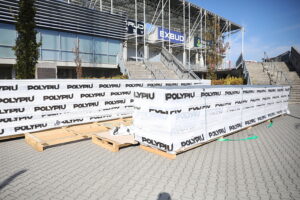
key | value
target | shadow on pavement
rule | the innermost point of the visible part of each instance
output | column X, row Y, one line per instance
column 11, row 178
column 164, row 196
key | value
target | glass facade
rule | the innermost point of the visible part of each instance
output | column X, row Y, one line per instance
column 59, row 46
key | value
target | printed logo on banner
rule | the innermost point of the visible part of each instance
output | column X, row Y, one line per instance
column 8, row 88
column 248, row 91
column 120, row 93
column 176, row 96
column 222, row 104
column 112, row 108
column 17, row 99
column 160, row 145
column 217, row 132
column 92, row 95
column 58, row 97
column 209, row 94
column 12, row 110
column 249, row 122
column 173, row 36
column 260, row 91
column 185, row 84
column 2, row 131
column 113, row 85
column 86, row 105
column 6, row 120
column 134, row 85
column 270, row 103
column 260, row 105
column 100, row 117
column 241, row 102
column 198, row 108
column 254, row 100
column 51, row 115
column 165, row 112
column 279, row 112
column 123, row 101
column 30, row 127
column 43, row 87
column 80, row 86
column 235, row 126
column 154, row 85
column 261, row 118
column 171, row 84
column 266, row 98
column 280, row 90
column 144, row 95
column 271, row 90
column 71, row 121
column 275, row 97
column 271, row 114
column 232, row 92
column 50, row 108
column 192, row 141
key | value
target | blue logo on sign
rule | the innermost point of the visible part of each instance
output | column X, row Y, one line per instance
column 175, row 37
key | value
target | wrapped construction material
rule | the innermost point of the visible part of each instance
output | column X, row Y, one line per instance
column 173, row 119
column 32, row 105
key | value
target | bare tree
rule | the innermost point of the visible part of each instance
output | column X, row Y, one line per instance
column 78, row 60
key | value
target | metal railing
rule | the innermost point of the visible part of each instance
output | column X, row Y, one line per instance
column 275, row 75
column 156, row 73
column 172, row 63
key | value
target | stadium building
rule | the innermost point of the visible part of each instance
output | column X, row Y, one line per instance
column 157, row 39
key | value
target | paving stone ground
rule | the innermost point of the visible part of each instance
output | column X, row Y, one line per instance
column 265, row 168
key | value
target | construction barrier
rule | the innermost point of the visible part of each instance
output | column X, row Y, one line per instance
column 177, row 118
column 33, row 105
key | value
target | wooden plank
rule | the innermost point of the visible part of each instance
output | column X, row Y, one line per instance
column 158, row 152
column 113, row 143
column 11, row 137
column 40, row 140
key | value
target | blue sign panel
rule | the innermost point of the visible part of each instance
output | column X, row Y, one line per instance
column 175, row 37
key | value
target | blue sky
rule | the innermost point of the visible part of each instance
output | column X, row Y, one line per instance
column 270, row 25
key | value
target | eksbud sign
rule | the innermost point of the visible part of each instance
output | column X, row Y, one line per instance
column 173, row 36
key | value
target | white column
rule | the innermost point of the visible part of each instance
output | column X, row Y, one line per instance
column 136, row 42
column 125, row 54
column 243, row 40
column 111, row 6
column 189, row 36
column 100, row 5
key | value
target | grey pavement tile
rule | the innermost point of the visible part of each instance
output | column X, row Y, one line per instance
column 266, row 168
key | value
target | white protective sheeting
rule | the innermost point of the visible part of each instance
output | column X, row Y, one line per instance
column 33, row 105
column 173, row 119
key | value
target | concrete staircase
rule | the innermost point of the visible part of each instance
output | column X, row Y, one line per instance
column 152, row 70
column 275, row 73
column 137, row 70
column 256, row 73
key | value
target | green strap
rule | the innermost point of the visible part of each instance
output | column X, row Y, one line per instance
column 270, row 125
column 248, row 138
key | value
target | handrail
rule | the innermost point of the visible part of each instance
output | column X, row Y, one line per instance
column 275, row 71
column 154, row 71
column 174, row 64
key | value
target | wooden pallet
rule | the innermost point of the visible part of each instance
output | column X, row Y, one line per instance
column 11, row 137
column 113, row 143
column 173, row 156
column 43, row 139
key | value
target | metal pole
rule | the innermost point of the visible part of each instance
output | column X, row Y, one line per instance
column 162, row 20
column 243, row 40
column 145, row 30
column 136, row 43
column 169, row 25
column 189, row 36
column 205, row 38
column 184, row 56
column 111, row 6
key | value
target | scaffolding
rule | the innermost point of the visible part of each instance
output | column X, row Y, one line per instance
column 171, row 15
